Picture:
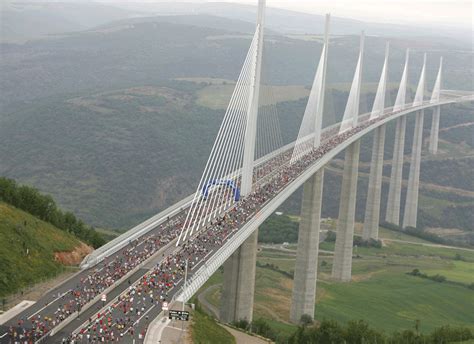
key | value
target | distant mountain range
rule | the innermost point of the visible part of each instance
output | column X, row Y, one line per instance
column 22, row 21
column 292, row 22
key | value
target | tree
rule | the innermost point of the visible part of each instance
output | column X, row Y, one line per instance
column 306, row 320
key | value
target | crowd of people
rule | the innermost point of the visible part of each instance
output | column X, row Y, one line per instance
column 93, row 284
column 131, row 307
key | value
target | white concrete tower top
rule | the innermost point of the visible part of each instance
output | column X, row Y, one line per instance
column 261, row 12
column 420, row 90
column 402, row 91
column 253, row 105
column 437, row 85
column 379, row 102
column 322, row 68
column 351, row 113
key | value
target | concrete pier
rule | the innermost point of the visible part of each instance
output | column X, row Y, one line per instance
column 306, row 267
column 411, row 203
column 342, row 264
column 239, row 282
column 395, row 189
column 433, row 148
column 372, row 207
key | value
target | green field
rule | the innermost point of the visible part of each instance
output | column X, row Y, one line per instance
column 381, row 291
column 27, row 248
column 217, row 95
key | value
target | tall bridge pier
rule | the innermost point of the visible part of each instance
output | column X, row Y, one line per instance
column 433, row 147
column 411, row 202
column 372, row 208
column 239, row 282
column 395, row 189
column 342, row 262
column 306, row 266
column 239, row 269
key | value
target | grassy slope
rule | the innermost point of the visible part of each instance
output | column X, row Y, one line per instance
column 20, row 231
column 205, row 330
column 217, row 96
column 391, row 300
column 380, row 293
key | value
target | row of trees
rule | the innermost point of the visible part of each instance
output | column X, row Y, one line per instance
column 355, row 332
column 359, row 332
column 43, row 207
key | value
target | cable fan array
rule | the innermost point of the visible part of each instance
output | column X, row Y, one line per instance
column 306, row 135
column 219, row 185
column 269, row 139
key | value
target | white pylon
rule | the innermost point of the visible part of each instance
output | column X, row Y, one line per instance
column 379, row 102
column 420, row 90
column 322, row 87
column 433, row 146
column 252, row 112
column 437, row 85
column 309, row 135
column 402, row 91
column 351, row 113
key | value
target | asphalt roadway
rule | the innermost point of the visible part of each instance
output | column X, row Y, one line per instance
column 48, row 304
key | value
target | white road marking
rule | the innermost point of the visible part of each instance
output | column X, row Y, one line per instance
column 47, row 305
column 138, row 320
column 3, row 335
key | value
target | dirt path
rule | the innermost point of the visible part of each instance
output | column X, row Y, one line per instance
column 426, row 186
column 467, row 124
column 244, row 338
column 240, row 337
column 202, row 297
column 430, row 245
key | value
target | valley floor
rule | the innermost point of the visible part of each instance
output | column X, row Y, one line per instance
column 381, row 291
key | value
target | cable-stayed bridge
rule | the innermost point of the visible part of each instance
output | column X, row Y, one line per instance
column 249, row 173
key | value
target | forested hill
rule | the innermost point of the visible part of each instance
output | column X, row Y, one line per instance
column 145, row 51
column 44, row 208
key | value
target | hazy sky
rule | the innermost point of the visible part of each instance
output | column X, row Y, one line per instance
column 446, row 12
column 454, row 13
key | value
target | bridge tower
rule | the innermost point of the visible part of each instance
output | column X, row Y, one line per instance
column 342, row 264
column 433, row 147
column 372, row 208
column 306, row 266
column 239, row 269
column 395, row 189
column 411, row 203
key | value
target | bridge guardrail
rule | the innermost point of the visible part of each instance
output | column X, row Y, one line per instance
column 121, row 241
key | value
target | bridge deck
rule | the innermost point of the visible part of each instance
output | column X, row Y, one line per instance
column 125, row 272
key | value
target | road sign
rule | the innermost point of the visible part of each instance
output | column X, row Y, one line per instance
column 165, row 306
column 178, row 315
column 103, row 298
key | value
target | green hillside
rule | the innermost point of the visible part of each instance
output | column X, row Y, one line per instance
column 27, row 248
